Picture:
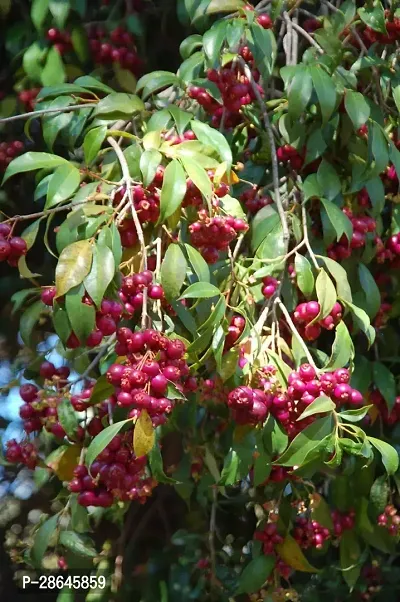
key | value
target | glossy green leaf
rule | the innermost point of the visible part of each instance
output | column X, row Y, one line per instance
column 304, row 275
column 306, row 441
column 200, row 290
column 328, row 180
column 212, row 137
column 299, row 91
column 28, row 320
column 82, row 316
column 370, row 289
column 119, row 103
column 342, row 348
column 255, row 574
column 60, row 11
column 326, row 294
column 62, row 184
column 156, row 81
column 173, row 271
column 149, row 161
column 325, row 90
column 102, row 440
column 198, row 263
column 53, row 71
column 229, row 473
column 199, row 177
column 39, row 11
column 390, row 457
column 78, row 544
column 373, row 15
column 101, row 273
column 31, row 161
column 339, row 220
column 320, row 405
column 173, row 189
column 92, row 143
column 350, row 562
column 42, row 539
column 357, row 108
column 224, row 6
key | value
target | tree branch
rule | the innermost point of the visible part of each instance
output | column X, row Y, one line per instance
column 46, row 112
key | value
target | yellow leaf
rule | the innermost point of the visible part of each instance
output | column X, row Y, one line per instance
column 64, row 465
column 73, row 266
column 373, row 413
column 143, row 435
column 291, row 553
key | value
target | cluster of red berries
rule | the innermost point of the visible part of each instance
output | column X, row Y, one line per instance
column 60, row 40
column 304, row 387
column 153, row 362
column 390, row 519
column 392, row 250
column 378, row 400
column 254, row 199
column 116, row 47
column 116, row 474
column 174, row 139
column 107, row 318
column 21, row 453
column 235, row 88
column 306, row 312
column 248, row 405
column 289, row 154
column 269, row 537
column 342, row 521
column 362, row 225
column 193, row 196
column 270, row 286
column 310, row 534
column 28, row 97
column 8, row 151
column 372, row 575
column 235, row 330
column 11, row 247
column 147, row 205
column 383, row 315
column 370, row 36
column 214, row 234
column 132, row 288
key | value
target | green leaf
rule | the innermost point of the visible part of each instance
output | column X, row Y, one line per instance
column 379, row 494
column 350, row 553
column 92, row 143
column 328, row 180
column 370, row 289
column 31, row 161
column 326, row 294
column 189, row 45
column 320, row 405
column 102, row 390
column 102, row 440
column 304, row 275
column 60, row 11
column 78, row 544
column 299, row 91
column 73, row 265
column 101, row 273
column 199, row 177
column 213, row 40
column 39, row 11
column 82, row 317
column 198, row 264
column 385, row 382
column 212, row 137
column 173, row 190
column 28, row 320
column 224, row 6
column 156, row 81
column 62, row 185
column 292, row 554
column 67, row 417
column 232, row 206
column 30, row 233
column 53, row 71
column 87, row 81
column 357, row 108
column 119, row 103
column 342, row 348
column 79, row 516
column 374, row 16
column 255, row 574
column 390, row 457
column 340, row 276
column 173, row 271
column 264, row 49
column 338, row 219
column 264, row 222
column 42, row 540
column 229, row 474
column 355, row 415
column 80, row 44
column 180, row 117
column 325, row 90
column 149, row 161
column 61, row 322
column 156, row 466
column 200, row 290
column 229, row 365
column 306, row 441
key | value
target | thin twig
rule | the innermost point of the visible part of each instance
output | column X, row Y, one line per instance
column 139, row 231
column 20, row 218
column 307, row 36
column 45, row 112
column 274, row 159
column 296, row 333
column 211, row 536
